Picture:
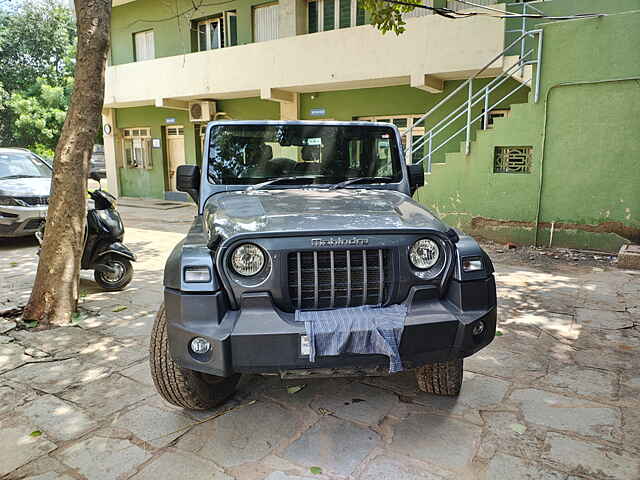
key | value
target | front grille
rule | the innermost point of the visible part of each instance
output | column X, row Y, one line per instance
column 339, row 278
column 33, row 224
column 34, row 201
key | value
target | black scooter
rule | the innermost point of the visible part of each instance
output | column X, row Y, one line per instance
column 104, row 251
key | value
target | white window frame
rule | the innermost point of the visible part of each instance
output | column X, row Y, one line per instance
column 417, row 131
column 140, row 137
column 254, row 9
column 226, row 26
column 208, row 23
column 149, row 47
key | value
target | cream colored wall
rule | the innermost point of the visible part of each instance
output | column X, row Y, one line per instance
column 335, row 60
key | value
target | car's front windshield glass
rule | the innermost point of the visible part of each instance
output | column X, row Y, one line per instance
column 322, row 154
column 22, row 165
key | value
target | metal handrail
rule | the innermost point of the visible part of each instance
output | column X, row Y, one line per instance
column 473, row 98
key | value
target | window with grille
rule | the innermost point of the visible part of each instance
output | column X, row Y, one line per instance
column 512, row 159
column 144, row 46
column 325, row 15
column 137, row 148
column 265, row 22
column 403, row 122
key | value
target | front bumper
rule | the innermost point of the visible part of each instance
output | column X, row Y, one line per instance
column 260, row 338
column 21, row 221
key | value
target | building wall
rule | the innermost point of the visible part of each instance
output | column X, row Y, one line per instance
column 584, row 172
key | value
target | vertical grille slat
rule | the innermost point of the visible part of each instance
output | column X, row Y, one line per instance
column 339, row 278
column 348, row 278
column 333, row 280
column 381, row 275
column 364, row 277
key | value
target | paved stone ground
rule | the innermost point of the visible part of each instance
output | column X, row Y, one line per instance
column 556, row 396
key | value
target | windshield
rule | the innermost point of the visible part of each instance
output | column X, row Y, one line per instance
column 322, row 154
column 22, row 165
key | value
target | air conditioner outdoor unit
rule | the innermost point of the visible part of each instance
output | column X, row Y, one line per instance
column 201, row 111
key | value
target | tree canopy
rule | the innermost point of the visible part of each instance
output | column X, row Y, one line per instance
column 37, row 51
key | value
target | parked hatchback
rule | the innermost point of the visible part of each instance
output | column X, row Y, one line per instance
column 25, row 183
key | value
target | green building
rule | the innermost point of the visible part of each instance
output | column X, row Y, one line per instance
column 529, row 129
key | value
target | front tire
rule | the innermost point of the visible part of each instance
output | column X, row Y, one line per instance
column 113, row 282
column 180, row 386
column 441, row 378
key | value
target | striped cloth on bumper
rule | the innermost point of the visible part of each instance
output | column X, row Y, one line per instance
column 366, row 329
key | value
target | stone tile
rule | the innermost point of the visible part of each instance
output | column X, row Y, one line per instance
column 4, row 339
column 155, row 426
column 402, row 383
column 50, row 476
column 61, row 341
column 6, row 325
column 602, row 319
column 139, row 372
column 358, row 403
column 58, row 419
column 18, row 447
column 12, row 396
column 325, row 444
column 386, row 468
column 507, row 433
column 113, row 353
column 12, row 356
column 44, row 467
column 243, row 435
column 100, row 458
column 583, row 381
column 439, row 440
column 174, row 465
column 108, row 395
column 562, row 325
column 518, row 367
column 590, row 459
column 565, row 413
column 276, row 389
column 284, row 476
column 139, row 326
column 506, row 466
column 54, row 377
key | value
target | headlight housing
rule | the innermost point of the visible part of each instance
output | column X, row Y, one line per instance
column 424, row 254
column 10, row 202
column 247, row 260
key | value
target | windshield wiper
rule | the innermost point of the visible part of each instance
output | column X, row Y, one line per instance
column 357, row 180
column 258, row 186
column 12, row 177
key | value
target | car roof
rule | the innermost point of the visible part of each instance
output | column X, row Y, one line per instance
column 14, row 150
column 332, row 123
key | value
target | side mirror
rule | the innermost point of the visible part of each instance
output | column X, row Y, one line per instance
column 94, row 176
column 188, row 180
column 416, row 177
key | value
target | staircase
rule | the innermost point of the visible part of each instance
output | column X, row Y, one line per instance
column 517, row 62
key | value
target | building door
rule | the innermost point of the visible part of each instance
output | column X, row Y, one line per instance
column 175, row 153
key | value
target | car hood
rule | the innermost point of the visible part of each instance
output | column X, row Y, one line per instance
column 314, row 210
column 25, row 187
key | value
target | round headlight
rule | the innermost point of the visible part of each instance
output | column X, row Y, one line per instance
column 424, row 254
column 247, row 260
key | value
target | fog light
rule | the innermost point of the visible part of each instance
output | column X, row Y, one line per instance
column 478, row 329
column 200, row 345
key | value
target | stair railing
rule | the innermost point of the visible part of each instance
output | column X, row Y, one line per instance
column 429, row 140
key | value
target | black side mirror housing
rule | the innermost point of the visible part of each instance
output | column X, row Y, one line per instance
column 188, row 180
column 95, row 176
column 416, row 177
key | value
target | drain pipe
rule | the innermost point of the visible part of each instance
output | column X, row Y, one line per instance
column 544, row 133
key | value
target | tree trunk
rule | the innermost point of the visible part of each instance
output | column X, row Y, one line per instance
column 55, row 292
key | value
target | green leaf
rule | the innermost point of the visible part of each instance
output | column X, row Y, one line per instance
column 498, row 333
column 35, row 433
column 295, row 389
column 83, row 293
column 31, row 323
column 316, row 470
column 119, row 308
column 518, row 428
column 13, row 264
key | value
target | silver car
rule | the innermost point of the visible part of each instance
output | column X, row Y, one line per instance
column 25, row 184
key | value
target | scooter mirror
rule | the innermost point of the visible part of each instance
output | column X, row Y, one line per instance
column 94, row 176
